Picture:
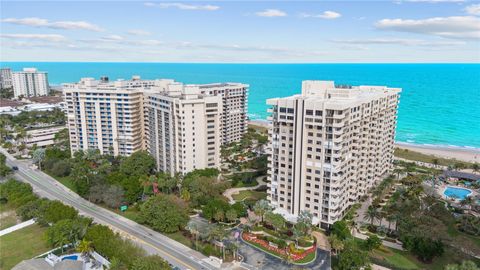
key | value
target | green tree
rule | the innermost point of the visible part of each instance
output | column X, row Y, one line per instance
column 373, row 242
column 4, row 169
column 475, row 167
column 164, row 213
column 372, row 214
column 336, row 243
column 219, row 215
column 38, row 156
column 213, row 207
column 465, row 265
column 55, row 211
column 261, row 207
column 240, row 209
column 152, row 262
column 341, row 230
column 138, row 164
column 353, row 258
column 84, row 247
column 276, row 220
column 63, row 232
column 231, row 215
column 424, row 248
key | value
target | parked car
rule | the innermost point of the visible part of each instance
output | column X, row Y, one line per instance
column 15, row 168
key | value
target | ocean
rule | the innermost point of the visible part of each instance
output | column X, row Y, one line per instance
column 439, row 103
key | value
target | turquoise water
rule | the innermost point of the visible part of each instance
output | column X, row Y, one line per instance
column 457, row 193
column 440, row 103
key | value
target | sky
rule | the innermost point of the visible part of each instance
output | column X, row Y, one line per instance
column 353, row 31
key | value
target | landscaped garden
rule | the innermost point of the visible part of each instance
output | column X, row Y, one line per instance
column 407, row 212
column 272, row 234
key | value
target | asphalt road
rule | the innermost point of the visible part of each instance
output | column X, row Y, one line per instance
column 153, row 242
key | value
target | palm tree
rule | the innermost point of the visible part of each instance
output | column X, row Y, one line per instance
column 372, row 214
column 435, row 162
column 467, row 201
column 336, row 243
column 475, row 167
column 390, row 218
column 193, row 229
column 261, row 207
column 84, row 247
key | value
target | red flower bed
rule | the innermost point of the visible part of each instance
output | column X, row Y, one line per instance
column 249, row 237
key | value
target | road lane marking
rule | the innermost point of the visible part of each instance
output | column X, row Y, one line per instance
column 38, row 182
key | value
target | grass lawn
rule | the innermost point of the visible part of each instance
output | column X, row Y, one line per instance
column 8, row 219
column 405, row 260
column 242, row 184
column 66, row 181
column 179, row 237
column 22, row 245
column 412, row 155
column 394, row 257
column 249, row 194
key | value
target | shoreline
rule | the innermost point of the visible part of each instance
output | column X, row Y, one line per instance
column 451, row 152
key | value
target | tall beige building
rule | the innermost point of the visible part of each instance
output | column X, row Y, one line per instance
column 235, row 109
column 181, row 126
column 105, row 116
column 329, row 146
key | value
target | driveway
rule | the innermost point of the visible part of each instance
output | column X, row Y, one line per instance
column 260, row 260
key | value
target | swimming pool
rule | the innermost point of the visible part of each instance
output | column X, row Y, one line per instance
column 457, row 193
column 71, row 257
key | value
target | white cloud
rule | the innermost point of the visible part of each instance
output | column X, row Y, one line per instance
column 271, row 13
column 46, row 37
column 182, row 6
column 473, row 9
column 138, row 32
column 113, row 37
column 325, row 15
column 398, row 41
column 39, row 22
column 463, row 27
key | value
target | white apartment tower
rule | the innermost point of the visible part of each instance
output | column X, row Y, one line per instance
column 181, row 126
column 329, row 146
column 30, row 83
column 105, row 116
column 235, row 118
column 5, row 78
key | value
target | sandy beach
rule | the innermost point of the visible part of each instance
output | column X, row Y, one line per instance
column 464, row 154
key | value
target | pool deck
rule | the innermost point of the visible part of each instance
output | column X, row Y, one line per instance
column 442, row 188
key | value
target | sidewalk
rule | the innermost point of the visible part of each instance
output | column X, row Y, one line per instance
column 17, row 227
column 385, row 243
column 232, row 191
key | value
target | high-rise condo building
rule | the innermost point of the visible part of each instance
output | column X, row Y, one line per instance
column 181, row 126
column 329, row 146
column 30, row 83
column 234, row 120
column 5, row 78
column 105, row 116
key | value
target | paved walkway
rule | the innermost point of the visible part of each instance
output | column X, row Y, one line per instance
column 17, row 227
column 385, row 243
column 233, row 191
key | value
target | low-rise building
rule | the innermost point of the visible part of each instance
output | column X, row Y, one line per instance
column 42, row 137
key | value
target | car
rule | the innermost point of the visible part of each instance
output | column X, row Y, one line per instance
column 15, row 168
